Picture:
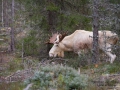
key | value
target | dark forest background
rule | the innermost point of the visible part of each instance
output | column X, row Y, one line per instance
column 38, row 19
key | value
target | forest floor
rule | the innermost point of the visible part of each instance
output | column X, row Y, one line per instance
column 13, row 72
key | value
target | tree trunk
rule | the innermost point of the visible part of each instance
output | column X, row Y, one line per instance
column 12, row 43
column 2, row 14
column 95, row 58
column 51, row 21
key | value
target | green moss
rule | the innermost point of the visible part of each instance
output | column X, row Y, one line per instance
column 112, row 68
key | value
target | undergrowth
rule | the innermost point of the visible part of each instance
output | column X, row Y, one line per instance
column 57, row 76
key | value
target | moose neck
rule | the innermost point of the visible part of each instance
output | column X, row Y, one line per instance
column 65, row 46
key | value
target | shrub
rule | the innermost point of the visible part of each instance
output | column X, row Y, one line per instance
column 58, row 77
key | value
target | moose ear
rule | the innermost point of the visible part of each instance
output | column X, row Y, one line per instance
column 61, row 36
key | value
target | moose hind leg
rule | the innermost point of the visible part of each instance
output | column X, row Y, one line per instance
column 79, row 53
column 108, row 50
column 112, row 56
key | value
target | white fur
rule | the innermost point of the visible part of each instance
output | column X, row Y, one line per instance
column 81, row 40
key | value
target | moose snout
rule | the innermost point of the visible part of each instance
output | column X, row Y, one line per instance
column 51, row 55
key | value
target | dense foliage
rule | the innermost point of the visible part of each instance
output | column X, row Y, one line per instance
column 48, row 16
